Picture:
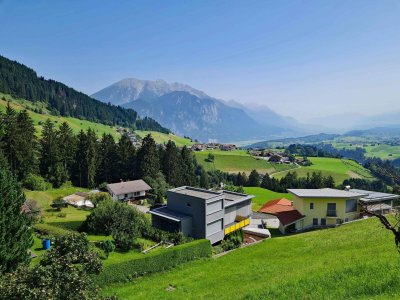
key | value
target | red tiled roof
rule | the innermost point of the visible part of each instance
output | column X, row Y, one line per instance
column 277, row 205
column 283, row 210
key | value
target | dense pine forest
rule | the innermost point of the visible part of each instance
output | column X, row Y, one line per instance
column 22, row 82
column 60, row 156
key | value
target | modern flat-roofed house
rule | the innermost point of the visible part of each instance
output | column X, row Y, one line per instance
column 128, row 190
column 201, row 213
column 376, row 201
column 325, row 207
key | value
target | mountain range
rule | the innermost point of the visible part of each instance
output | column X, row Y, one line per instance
column 190, row 112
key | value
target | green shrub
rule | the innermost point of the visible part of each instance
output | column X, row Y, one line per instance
column 232, row 241
column 61, row 215
column 107, row 246
column 36, row 183
column 154, row 262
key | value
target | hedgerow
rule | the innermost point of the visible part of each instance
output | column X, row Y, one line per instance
column 154, row 262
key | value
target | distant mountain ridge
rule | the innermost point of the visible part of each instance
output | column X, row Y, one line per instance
column 131, row 89
column 191, row 112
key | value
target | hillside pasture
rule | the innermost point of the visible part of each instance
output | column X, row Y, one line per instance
column 39, row 118
column 354, row 261
column 163, row 138
column 237, row 161
column 339, row 169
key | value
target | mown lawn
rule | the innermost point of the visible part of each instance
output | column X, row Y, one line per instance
column 263, row 196
column 163, row 138
column 354, row 261
column 339, row 169
column 75, row 124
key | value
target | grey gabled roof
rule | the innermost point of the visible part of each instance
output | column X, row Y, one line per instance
column 323, row 193
column 127, row 187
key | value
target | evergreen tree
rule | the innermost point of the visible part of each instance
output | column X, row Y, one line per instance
column 67, row 143
column 108, row 157
column 15, row 233
column 86, row 159
column 189, row 165
column 19, row 142
column 126, row 159
column 254, row 178
column 204, row 180
column 171, row 164
column 50, row 165
column 148, row 163
column 329, row 182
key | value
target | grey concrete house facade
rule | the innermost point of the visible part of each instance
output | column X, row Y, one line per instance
column 202, row 214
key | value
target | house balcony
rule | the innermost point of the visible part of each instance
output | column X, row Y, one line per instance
column 229, row 228
column 331, row 213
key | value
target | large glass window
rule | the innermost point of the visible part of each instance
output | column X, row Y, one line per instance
column 351, row 205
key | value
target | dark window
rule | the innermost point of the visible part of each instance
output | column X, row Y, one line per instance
column 188, row 204
column 311, row 205
column 331, row 211
column 323, row 222
column 338, row 221
column 346, row 219
column 351, row 205
column 315, row 221
column 126, row 195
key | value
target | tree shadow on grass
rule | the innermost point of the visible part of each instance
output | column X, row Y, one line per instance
column 69, row 225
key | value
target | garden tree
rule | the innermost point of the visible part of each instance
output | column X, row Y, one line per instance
column 148, row 163
column 171, row 164
column 126, row 158
column 108, row 160
column 210, row 157
column 50, row 166
column 254, row 178
column 64, row 272
column 67, row 147
column 316, row 180
column 107, row 246
column 189, row 165
column 159, row 188
column 105, row 218
column 97, row 198
column 15, row 230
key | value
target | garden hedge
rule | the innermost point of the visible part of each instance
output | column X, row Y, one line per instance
column 154, row 262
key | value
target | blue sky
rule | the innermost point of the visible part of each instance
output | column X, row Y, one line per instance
column 306, row 59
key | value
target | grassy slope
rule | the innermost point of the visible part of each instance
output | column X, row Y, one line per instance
column 162, row 138
column 237, row 161
column 337, row 168
column 357, row 260
column 383, row 151
column 75, row 124
column 263, row 196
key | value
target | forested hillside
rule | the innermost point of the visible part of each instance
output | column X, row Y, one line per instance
column 22, row 82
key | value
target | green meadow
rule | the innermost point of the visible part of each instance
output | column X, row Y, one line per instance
column 163, row 138
column 339, row 169
column 237, row 161
column 354, row 261
column 263, row 196
column 383, row 151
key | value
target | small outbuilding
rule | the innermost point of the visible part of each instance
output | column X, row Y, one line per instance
column 284, row 213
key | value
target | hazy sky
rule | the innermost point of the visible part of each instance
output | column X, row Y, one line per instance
column 302, row 58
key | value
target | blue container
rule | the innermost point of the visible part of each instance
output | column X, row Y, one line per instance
column 46, row 244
